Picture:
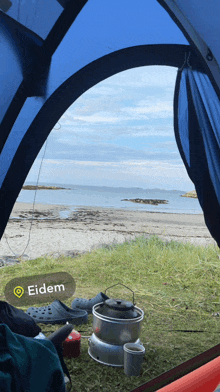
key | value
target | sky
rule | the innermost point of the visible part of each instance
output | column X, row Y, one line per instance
column 118, row 134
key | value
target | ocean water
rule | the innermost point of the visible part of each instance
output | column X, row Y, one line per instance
column 107, row 197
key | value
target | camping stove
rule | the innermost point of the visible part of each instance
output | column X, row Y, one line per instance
column 115, row 322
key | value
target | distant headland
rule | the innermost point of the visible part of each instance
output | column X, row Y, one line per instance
column 192, row 194
column 41, row 187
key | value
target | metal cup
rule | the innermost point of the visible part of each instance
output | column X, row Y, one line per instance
column 133, row 358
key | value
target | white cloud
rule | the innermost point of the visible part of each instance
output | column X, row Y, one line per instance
column 101, row 89
column 84, row 132
column 157, row 110
column 129, row 94
column 99, row 117
column 138, row 111
column 147, row 174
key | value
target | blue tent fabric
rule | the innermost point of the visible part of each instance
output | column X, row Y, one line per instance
column 196, row 124
column 51, row 52
column 23, row 362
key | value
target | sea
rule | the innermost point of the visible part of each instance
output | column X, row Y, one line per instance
column 77, row 196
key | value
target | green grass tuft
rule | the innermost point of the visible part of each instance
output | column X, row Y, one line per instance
column 177, row 286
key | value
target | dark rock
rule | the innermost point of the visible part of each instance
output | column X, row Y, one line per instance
column 192, row 194
column 147, row 201
column 12, row 260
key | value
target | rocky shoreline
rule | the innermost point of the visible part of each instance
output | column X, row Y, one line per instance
column 88, row 228
column 41, row 187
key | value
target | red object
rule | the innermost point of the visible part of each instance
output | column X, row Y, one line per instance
column 204, row 379
column 179, row 371
column 71, row 346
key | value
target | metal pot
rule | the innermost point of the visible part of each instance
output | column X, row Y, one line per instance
column 115, row 330
column 115, row 322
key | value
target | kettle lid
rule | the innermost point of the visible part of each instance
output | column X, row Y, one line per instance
column 117, row 308
column 119, row 304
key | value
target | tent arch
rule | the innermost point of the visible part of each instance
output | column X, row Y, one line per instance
column 97, row 71
column 73, row 88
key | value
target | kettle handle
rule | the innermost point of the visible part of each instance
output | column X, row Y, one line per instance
column 121, row 285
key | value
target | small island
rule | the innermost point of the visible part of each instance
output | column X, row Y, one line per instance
column 192, row 194
column 40, row 187
column 155, row 202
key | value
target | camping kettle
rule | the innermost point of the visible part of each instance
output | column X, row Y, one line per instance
column 117, row 309
column 115, row 322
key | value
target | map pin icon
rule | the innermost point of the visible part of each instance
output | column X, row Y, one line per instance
column 18, row 291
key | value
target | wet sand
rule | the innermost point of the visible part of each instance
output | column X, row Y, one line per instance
column 88, row 228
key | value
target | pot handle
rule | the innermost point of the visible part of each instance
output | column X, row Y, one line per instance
column 121, row 285
column 91, row 344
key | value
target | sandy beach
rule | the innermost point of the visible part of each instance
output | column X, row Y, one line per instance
column 88, row 228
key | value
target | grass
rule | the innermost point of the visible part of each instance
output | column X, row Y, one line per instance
column 177, row 286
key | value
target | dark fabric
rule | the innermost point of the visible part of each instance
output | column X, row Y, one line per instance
column 196, row 124
column 28, row 365
column 18, row 321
